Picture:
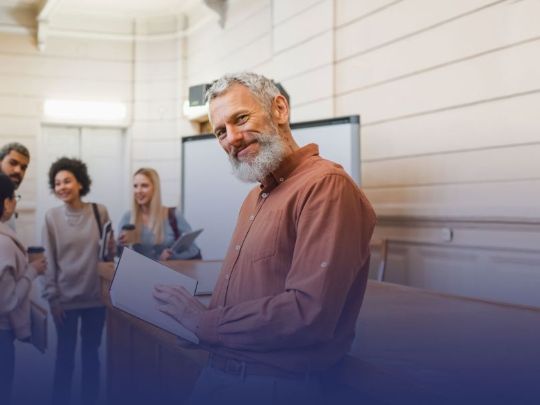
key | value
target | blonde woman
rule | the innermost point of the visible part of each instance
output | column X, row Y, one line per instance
column 156, row 226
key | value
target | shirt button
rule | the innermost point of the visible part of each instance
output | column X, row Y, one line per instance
column 237, row 247
column 324, row 264
column 227, row 276
column 251, row 217
column 264, row 195
column 281, row 179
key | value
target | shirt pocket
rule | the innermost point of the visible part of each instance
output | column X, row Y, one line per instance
column 264, row 235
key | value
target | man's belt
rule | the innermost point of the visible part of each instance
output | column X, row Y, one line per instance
column 241, row 368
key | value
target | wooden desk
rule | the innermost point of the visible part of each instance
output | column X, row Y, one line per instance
column 420, row 347
column 411, row 346
column 145, row 364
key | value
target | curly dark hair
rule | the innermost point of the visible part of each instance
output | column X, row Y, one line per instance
column 7, row 188
column 76, row 167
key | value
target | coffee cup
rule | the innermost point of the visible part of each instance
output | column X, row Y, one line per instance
column 128, row 230
column 35, row 253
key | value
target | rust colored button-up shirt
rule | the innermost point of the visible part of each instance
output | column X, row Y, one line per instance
column 294, row 277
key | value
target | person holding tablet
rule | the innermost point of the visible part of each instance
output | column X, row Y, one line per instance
column 151, row 228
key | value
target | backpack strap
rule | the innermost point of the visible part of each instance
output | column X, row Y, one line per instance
column 98, row 219
column 172, row 222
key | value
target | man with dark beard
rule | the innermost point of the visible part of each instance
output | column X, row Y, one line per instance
column 292, row 283
column 14, row 160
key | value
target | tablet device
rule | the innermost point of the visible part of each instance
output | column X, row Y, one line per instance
column 185, row 240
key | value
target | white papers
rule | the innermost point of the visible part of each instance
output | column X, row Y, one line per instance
column 207, row 275
column 185, row 240
column 106, row 235
column 132, row 290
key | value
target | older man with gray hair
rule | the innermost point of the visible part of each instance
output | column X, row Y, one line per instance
column 290, row 289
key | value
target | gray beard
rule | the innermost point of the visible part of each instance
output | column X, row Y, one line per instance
column 271, row 152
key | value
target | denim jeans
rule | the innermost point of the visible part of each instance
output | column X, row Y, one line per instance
column 7, row 365
column 92, row 321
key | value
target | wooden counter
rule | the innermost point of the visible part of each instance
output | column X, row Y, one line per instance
column 144, row 363
column 411, row 346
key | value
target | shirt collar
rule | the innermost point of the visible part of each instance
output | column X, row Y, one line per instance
column 288, row 165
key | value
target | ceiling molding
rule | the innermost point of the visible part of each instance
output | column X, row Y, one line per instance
column 181, row 33
column 220, row 8
column 16, row 29
column 48, row 9
column 45, row 19
column 18, row 19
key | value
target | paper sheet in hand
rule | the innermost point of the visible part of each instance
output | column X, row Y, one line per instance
column 132, row 290
column 207, row 277
column 185, row 240
column 106, row 236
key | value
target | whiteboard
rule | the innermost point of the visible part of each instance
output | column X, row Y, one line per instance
column 212, row 195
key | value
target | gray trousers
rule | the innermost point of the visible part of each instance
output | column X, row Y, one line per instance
column 217, row 387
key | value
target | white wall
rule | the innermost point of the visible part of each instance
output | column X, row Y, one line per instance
column 157, row 120
column 446, row 91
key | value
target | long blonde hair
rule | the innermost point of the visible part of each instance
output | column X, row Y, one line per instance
column 157, row 212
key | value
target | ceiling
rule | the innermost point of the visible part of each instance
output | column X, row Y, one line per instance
column 19, row 3
column 120, row 8
column 43, row 17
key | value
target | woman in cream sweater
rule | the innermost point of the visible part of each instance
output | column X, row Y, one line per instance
column 71, row 237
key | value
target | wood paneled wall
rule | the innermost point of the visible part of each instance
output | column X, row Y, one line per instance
column 446, row 90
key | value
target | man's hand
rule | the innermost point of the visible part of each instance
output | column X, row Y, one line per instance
column 178, row 303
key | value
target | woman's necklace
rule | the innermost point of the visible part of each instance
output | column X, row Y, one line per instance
column 73, row 217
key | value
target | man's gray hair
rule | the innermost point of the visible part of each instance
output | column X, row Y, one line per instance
column 17, row 147
column 261, row 87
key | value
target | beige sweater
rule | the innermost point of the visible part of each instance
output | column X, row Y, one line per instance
column 16, row 277
column 71, row 241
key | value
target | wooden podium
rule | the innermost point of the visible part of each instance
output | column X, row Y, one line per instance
column 411, row 346
column 145, row 364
